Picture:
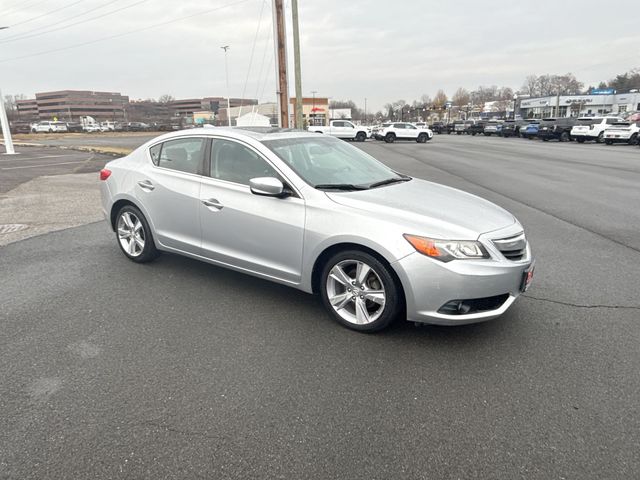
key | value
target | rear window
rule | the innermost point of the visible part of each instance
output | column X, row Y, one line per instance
column 588, row 121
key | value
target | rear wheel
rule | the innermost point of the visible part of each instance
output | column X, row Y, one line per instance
column 361, row 137
column 390, row 138
column 600, row 138
column 634, row 139
column 564, row 137
column 134, row 235
column 359, row 291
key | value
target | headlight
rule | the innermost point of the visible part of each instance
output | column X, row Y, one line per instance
column 447, row 250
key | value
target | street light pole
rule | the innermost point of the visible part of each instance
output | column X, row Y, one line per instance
column 226, row 71
column 4, row 124
column 313, row 107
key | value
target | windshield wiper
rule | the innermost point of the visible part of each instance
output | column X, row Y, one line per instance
column 389, row 181
column 340, row 186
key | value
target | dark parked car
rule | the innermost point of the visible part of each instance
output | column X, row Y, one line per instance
column 20, row 127
column 438, row 127
column 530, row 130
column 74, row 127
column 136, row 127
column 511, row 128
column 476, row 128
column 556, row 129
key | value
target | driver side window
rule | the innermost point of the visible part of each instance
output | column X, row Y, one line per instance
column 234, row 162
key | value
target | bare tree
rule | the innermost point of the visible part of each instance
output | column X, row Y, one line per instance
column 440, row 99
column 461, row 98
column 166, row 98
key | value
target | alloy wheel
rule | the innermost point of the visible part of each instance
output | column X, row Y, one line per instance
column 131, row 233
column 356, row 292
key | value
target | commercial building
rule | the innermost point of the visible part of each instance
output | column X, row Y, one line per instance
column 315, row 110
column 70, row 105
column 190, row 105
column 577, row 105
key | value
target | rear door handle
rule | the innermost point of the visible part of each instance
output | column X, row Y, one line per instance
column 146, row 185
column 213, row 203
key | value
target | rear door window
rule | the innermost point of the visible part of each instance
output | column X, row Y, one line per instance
column 182, row 154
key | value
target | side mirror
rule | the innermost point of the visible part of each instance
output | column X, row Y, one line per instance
column 267, row 186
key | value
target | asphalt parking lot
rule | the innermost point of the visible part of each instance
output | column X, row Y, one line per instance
column 178, row 369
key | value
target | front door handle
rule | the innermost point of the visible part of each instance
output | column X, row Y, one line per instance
column 213, row 203
column 146, row 185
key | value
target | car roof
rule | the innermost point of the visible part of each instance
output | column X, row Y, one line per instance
column 259, row 134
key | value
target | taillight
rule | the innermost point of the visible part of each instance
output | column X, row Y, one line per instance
column 104, row 174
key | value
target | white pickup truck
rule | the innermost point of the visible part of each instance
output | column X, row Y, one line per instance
column 342, row 129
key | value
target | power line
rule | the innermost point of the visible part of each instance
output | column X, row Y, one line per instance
column 264, row 57
column 46, row 13
column 117, row 35
column 253, row 48
column 28, row 34
column 86, row 20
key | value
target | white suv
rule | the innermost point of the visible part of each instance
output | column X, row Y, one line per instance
column 592, row 128
column 50, row 127
column 403, row 131
column 622, row 132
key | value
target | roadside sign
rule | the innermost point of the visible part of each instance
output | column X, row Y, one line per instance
column 602, row 91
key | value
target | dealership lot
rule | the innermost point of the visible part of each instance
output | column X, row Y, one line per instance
column 181, row 369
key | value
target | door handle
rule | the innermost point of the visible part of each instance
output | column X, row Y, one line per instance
column 146, row 185
column 213, row 203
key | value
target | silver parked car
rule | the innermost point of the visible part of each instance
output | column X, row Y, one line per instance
column 320, row 215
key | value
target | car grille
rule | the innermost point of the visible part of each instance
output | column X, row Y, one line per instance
column 512, row 248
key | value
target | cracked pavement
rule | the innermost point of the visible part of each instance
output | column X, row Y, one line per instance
column 178, row 369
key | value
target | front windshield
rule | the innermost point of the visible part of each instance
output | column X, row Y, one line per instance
column 324, row 161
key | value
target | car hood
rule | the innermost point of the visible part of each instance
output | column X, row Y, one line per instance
column 430, row 209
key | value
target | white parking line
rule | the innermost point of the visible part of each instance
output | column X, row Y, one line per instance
column 33, row 158
column 38, row 166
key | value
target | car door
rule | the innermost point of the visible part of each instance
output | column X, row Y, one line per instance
column 348, row 130
column 251, row 232
column 411, row 131
column 168, row 187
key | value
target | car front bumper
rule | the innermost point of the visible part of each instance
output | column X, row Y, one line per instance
column 429, row 285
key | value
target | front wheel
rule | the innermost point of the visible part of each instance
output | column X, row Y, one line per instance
column 361, row 137
column 600, row 138
column 359, row 291
column 634, row 139
column 564, row 137
column 422, row 138
column 390, row 138
column 134, row 235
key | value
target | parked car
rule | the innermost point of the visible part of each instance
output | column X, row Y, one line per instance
column 109, row 126
column 91, row 127
column 75, row 127
column 20, row 127
column 622, row 132
column 511, row 128
column 404, row 131
column 438, row 127
column 343, row 129
column 136, row 127
column 257, row 201
column 530, row 131
column 556, row 129
column 592, row 128
column 458, row 127
column 475, row 128
column 50, row 127
column 492, row 127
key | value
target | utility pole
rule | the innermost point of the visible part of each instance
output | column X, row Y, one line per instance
column 365, row 110
column 280, row 39
column 4, row 124
column 226, row 71
column 313, row 106
column 296, row 63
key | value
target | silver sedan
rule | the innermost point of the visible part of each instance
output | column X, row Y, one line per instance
column 320, row 215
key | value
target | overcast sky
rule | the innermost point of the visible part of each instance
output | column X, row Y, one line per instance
column 382, row 50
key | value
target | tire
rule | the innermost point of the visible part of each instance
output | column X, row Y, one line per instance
column 361, row 137
column 634, row 139
column 608, row 142
column 565, row 137
column 600, row 138
column 458, row 133
column 130, row 219
column 422, row 138
column 345, row 298
column 390, row 138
